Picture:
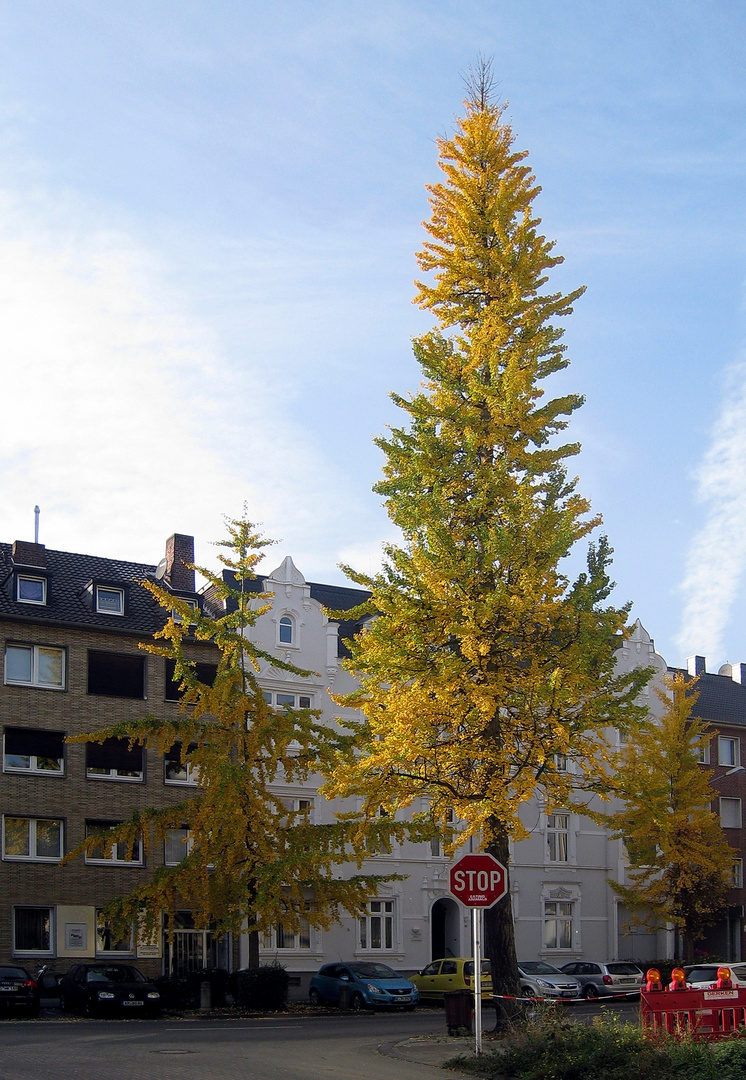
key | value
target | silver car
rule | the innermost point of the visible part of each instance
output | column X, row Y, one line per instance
column 703, row 976
column 611, row 978
column 542, row 980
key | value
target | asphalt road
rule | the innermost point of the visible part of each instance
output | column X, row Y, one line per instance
column 282, row 1048
column 311, row 1046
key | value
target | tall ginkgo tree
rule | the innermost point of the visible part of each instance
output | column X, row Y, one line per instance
column 249, row 859
column 680, row 865
column 483, row 670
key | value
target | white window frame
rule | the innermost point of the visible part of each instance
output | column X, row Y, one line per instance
column 287, row 620
column 33, row 767
column 35, row 952
column 32, row 840
column 704, row 750
column 190, row 780
column 31, row 577
column 378, row 925
column 177, row 616
column 558, row 837
column 735, row 746
column 737, row 874
column 735, row 804
column 113, row 856
column 186, row 841
column 299, row 701
column 123, row 776
column 35, row 651
column 278, row 939
column 109, row 589
column 560, row 918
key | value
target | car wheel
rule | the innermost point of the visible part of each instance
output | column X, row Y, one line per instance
column 357, row 1004
column 314, row 996
column 65, row 1003
column 591, row 993
column 87, row 1008
column 33, row 1010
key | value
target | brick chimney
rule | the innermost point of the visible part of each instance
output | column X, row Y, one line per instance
column 179, row 552
column 27, row 554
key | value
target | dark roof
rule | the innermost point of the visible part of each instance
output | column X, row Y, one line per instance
column 721, row 699
column 70, row 602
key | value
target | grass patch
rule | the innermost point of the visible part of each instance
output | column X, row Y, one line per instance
column 556, row 1048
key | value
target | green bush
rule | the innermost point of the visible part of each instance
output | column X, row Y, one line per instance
column 264, row 988
column 555, row 1048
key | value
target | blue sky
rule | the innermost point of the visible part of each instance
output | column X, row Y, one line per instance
column 208, row 219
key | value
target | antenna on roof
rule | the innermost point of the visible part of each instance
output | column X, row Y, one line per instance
column 37, row 511
column 160, row 569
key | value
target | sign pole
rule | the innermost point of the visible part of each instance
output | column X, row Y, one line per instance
column 477, row 922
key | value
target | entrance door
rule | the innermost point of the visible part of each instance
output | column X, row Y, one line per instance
column 445, row 938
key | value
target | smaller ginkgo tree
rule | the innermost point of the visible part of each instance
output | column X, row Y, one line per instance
column 249, row 859
column 679, row 863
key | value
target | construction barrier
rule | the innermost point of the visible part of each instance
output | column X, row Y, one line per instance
column 701, row 1014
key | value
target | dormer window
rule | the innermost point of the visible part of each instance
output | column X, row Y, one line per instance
column 109, row 601
column 177, row 616
column 31, row 589
column 286, row 630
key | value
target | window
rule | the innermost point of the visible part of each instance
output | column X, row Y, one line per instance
column 177, row 616
column 560, row 762
column 377, row 926
column 113, row 759
column 109, row 601
column 106, row 852
column 116, row 674
column 558, row 836
column 105, row 940
column 33, row 751
column 32, row 839
column 558, row 924
column 177, row 844
column 280, row 938
column 737, row 874
column 205, row 673
column 436, row 842
column 31, row 590
column 299, row 807
column 285, row 630
column 32, row 930
column 294, row 701
column 177, row 771
column 704, row 751
column 730, row 813
column 35, row 665
column 729, row 751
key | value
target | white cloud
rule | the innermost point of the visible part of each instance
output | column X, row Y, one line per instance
column 124, row 420
column 717, row 556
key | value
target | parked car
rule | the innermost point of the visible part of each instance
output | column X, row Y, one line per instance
column 614, row 978
column 703, row 976
column 450, row 973
column 103, row 989
column 370, row 985
column 546, row 981
column 19, row 993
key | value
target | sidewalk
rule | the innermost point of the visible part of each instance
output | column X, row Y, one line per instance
column 432, row 1050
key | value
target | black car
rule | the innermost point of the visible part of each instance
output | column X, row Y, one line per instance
column 18, row 991
column 103, row 989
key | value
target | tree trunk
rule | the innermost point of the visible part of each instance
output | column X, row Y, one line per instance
column 499, row 935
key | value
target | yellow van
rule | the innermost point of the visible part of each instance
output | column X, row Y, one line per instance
column 451, row 973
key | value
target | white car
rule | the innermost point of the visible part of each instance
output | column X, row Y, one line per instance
column 703, row 976
column 542, row 980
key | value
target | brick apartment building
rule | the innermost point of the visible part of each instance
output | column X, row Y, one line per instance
column 70, row 627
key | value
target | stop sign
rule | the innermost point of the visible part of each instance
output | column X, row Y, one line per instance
column 478, row 880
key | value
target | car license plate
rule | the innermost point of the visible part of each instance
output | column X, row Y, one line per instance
column 566, row 993
column 133, row 1003
column 8, row 989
